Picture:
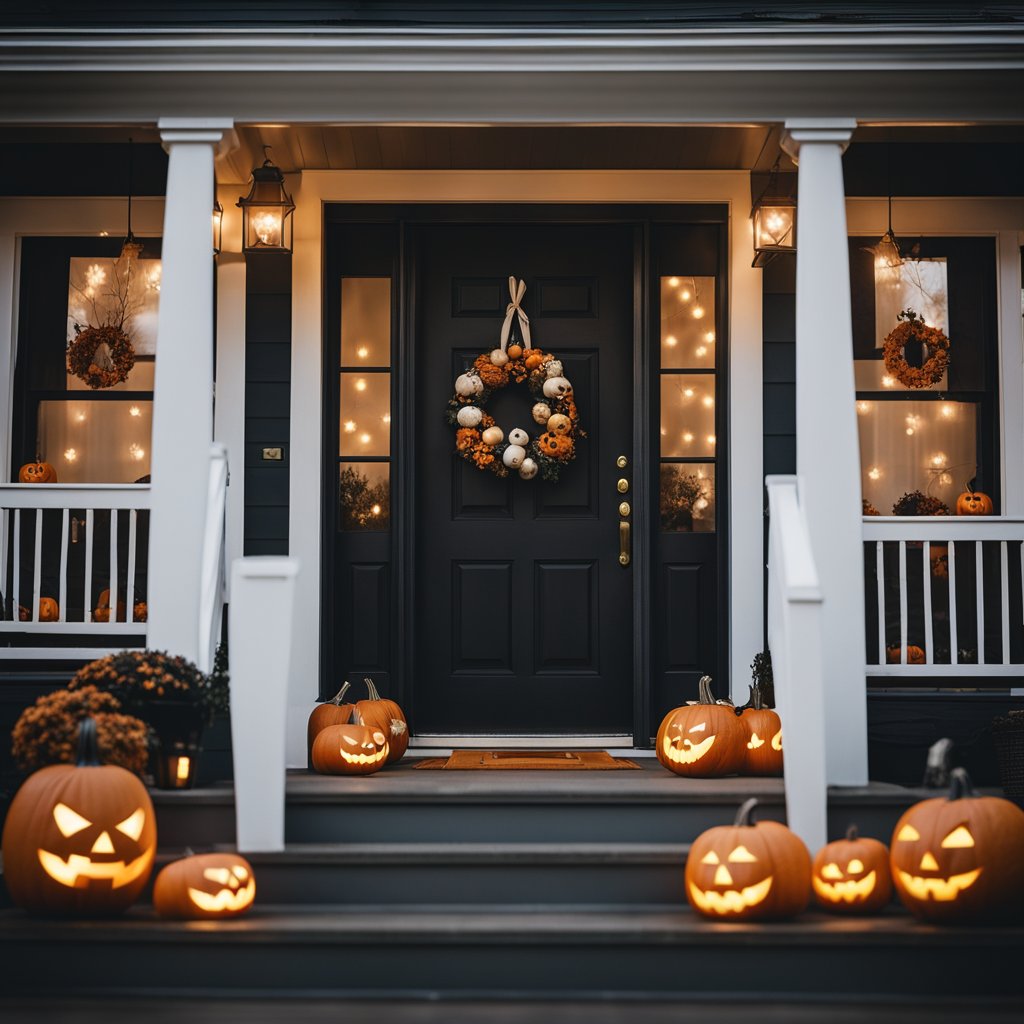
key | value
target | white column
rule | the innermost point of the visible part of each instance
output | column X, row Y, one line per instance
column 183, row 387
column 828, row 451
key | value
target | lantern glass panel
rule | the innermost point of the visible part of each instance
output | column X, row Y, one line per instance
column 268, row 227
column 774, row 226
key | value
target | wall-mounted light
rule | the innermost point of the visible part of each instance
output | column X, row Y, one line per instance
column 774, row 217
column 267, row 211
column 218, row 227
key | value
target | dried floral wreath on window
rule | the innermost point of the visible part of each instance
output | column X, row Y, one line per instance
column 480, row 441
column 100, row 356
column 912, row 329
column 916, row 503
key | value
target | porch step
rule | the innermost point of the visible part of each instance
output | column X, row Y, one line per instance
column 395, row 951
column 474, row 874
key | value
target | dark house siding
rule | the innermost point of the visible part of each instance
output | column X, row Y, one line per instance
column 779, row 384
column 268, row 353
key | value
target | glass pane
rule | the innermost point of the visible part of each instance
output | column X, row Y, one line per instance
column 687, row 322
column 687, row 502
column 96, row 442
column 364, row 495
column 366, row 321
column 917, row 446
column 687, row 414
column 871, row 375
column 365, row 427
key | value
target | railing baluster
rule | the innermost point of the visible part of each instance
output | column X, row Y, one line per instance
column 903, row 601
column 979, row 598
column 954, row 656
column 880, row 575
column 37, row 566
column 133, row 516
column 1004, row 578
column 88, row 564
column 113, row 569
column 16, row 577
column 4, row 553
column 927, row 587
column 65, row 529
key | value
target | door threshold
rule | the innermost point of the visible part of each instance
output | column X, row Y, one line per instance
column 433, row 743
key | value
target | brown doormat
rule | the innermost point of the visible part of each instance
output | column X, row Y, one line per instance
column 529, row 760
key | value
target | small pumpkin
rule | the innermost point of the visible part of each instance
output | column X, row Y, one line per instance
column 209, row 885
column 973, row 503
column 704, row 739
column 49, row 611
column 101, row 613
column 748, row 871
column 852, row 876
column 330, row 712
column 387, row 716
column 915, row 655
column 79, row 839
column 763, row 754
column 351, row 749
column 514, row 351
column 960, row 857
column 37, row 472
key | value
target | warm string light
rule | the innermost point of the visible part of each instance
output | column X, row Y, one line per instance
column 863, row 408
column 874, row 473
column 70, row 454
column 888, row 382
column 360, row 384
column 349, row 426
column 136, row 451
column 362, row 351
column 671, row 341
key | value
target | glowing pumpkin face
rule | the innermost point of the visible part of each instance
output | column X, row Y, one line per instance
column 37, row 472
column 79, row 839
column 209, row 885
column 851, row 875
column 763, row 753
column 973, row 503
column 960, row 858
column 702, row 740
column 748, row 871
column 352, row 749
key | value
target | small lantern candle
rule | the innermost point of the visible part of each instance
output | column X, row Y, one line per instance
column 267, row 212
column 175, row 765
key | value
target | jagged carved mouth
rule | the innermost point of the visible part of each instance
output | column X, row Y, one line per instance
column 846, row 891
column 942, row 890
column 731, row 901
column 686, row 752
column 375, row 758
column 224, row 899
column 78, row 870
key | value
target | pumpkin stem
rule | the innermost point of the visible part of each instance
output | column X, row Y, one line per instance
column 88, row 745
column 960, row 784
column 337, row 698
column 745, row 815
column 756, row 697
column 705, row 696
column 851, row 833
column 371, row 688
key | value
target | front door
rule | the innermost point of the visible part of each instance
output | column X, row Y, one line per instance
column 523, row 611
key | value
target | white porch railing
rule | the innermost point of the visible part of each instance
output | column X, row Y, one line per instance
column 213, row 573
column 945, row 595
column 795, row 639
column 70, row 542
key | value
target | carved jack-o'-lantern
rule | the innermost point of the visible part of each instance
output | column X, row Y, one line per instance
column 973, row 503
column 763, row 754
column 37, row 472
column 704, row 739
column 388, row 717
column 204, row 886
column 915, row 655
column 351, row 749
column 49, row 611
column 101, row 613
column 960, row 857
column 330, row 712
column 851, row 875
column 79, row 839
column 748, row 871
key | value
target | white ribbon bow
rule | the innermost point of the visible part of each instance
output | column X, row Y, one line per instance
column 516, row 290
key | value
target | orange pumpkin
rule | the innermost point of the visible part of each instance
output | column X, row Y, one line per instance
column 763, row 754
column 209, row 885
column 852, row 876
column 101, row 613
column 79, row 839
column 533, row 361
column 330, row 712
column 973, row 503
column 350, row 749
column 961, row 857
column 49, row 611
column 703, row 739
column 514, row 351
column 915, row 655
column 37, row 472
column 387, row 716
column 748, row 871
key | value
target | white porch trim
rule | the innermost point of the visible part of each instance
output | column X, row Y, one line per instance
column 312, row 189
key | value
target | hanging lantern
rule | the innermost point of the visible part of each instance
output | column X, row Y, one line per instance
column 218, row 227
column 774, row 217
column 267, row 211
column 888, row 255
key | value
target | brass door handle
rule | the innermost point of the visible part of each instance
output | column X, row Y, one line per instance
column 623, row 542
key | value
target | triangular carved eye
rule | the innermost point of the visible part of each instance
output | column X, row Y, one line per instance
column 832, row 872
column 700, row 727
column 741, row 855
column 958, row 839
column 219, row 875
column 908, row 834
column 132, row 825
column 709, row 858
column 68, row 821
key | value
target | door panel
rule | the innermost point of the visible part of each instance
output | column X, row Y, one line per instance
column 524, row 614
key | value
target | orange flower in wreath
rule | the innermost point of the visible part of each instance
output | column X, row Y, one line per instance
column 466, row 437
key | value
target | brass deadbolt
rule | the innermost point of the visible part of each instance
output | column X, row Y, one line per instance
column 622, row 486
column 622, row 462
